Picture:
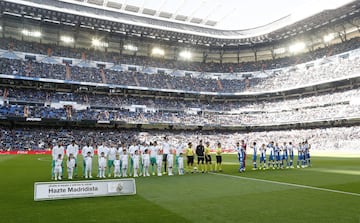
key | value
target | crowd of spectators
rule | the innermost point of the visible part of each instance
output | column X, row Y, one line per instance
column 41, row 97
column 337, row 139
column 343, row 97
column 286, row 78
column 208, row 66
column 303, row 76
column 38, row 104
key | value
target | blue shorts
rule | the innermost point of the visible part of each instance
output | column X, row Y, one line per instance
column 292, row 157
column 254, row 158
column 262, row 159
column 271, row 157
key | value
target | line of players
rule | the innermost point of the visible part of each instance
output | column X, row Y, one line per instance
column 118, row 162
column 279, row 157
column 142, row 157
column 135, row 160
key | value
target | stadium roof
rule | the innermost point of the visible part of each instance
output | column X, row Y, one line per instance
column 223, row 15
column 151, row 19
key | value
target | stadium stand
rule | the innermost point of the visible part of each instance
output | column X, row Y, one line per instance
column 328, row 139
column 118, row 108
column 97, row 55
column 293, row 76
column 209, row 93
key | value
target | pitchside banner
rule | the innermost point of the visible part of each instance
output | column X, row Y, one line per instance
column 79, row 189
column 48, row 152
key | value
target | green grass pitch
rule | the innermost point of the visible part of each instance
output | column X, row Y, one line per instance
column 226, row 197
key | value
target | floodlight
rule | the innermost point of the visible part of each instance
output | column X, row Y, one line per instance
column 36, row 34
column 329, row 37
column 297, row 47
column 158, row 51
column 279, row 50
column 130, row 47
column 67, row 39
column 97, row 43
column 186, row 55
column 26, row 32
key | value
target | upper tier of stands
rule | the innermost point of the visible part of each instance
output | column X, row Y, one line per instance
column 208, row 66
column 326, row 69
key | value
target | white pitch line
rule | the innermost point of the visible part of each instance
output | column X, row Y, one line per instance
column 290, row 184
column 45, row 160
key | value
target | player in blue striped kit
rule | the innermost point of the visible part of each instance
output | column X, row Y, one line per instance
column 262, row 150
column 303, row 163
column 277, row 155
column 241, row 157
column 307, row 147
column 271, row 154
column 300, row 156
column 290, row 150
column 284, row 157
column 254, row 147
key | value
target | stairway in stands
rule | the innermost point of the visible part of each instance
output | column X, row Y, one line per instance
column 219, row 84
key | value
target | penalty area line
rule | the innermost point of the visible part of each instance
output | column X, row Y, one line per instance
column 289, row 184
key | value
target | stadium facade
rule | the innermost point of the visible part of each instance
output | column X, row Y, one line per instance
column 62, row 48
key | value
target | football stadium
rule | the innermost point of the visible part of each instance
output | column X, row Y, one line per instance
column 180, row 111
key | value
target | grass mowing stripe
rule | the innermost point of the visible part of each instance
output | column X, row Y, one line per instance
column 290, row 184
column 5, row 157
column 190, row 198
column 339, row 171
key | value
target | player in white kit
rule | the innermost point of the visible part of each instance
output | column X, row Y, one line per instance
column 56, row 151
column 117, row 164
column 142, row 148
column 124, row 163
column 153, row 152
column 73, row 149
column 58, row 168
column 159, row 159
column 170, row 162
column 181, row 164
column 146, row 163
column 71, row 163
column 88, row 165
column 102, row 165
column 136, row 163
column 166, row 151
column 132, row 150
column 103, row 148
column 111, row 157
column 86, row 149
